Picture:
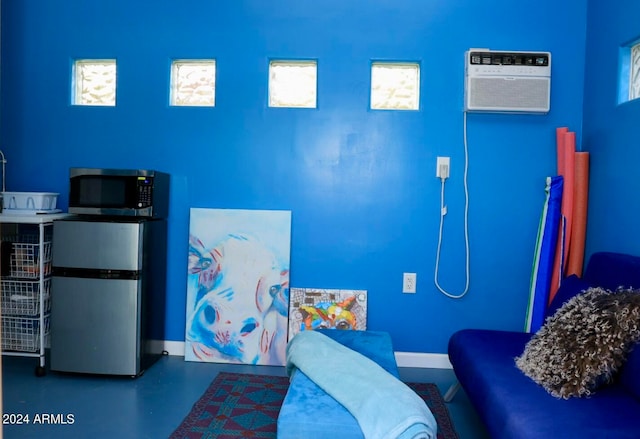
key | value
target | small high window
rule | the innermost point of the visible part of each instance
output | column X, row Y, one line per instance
column 293, row 84
column 94, row 82
column 634, row 76
column 395, row 86
column 193, row 83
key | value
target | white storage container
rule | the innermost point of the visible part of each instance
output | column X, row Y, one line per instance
column 30, row 201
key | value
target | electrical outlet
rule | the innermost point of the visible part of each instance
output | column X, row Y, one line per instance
column 442, row 167
column 409, row 282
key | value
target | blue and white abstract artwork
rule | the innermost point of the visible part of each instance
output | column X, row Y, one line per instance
column 238, row 286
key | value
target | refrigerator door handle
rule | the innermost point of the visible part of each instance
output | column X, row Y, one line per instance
column 97, row 273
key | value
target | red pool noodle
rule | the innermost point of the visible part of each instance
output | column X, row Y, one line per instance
column 565, row 150
column 569, row 191
column 579, row 228
column 560, row 132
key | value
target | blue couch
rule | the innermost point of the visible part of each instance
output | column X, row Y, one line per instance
column 511, row 405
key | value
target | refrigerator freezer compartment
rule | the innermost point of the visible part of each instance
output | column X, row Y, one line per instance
column 98, row 245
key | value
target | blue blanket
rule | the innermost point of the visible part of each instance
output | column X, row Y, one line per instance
column 384, row 406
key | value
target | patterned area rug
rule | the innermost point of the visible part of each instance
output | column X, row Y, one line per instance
column 241, row 405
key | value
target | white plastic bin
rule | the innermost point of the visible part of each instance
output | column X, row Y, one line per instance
column 29, row 201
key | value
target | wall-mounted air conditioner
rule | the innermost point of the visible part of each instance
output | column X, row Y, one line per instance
column 506, row 82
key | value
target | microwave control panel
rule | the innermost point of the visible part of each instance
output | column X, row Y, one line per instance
column 145, row 191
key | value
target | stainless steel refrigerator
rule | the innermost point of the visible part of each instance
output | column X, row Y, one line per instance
column 107, row 294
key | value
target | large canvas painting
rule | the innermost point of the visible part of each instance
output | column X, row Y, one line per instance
column 238, row 286
column 316, row 308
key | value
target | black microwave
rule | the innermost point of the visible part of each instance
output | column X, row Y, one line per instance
column 119, row 192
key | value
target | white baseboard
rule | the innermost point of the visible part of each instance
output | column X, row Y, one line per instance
column 423, row 360
column 404, row 359
column 171, row 347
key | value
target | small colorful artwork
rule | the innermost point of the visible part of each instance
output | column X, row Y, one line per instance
column 238, row 286
column 313, row 308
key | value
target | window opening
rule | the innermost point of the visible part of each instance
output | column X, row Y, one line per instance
column 94, row 82
column 293, row 84
column 395, row 86
column 634, row 78
column 193, row 83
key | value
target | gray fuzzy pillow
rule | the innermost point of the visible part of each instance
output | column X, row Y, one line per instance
column 584, row 343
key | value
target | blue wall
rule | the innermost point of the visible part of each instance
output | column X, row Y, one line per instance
column 360, row 184
column 611, row 131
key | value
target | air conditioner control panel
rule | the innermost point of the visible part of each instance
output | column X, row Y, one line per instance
column 498, row 63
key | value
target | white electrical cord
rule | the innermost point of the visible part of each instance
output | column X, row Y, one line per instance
column 443, row 212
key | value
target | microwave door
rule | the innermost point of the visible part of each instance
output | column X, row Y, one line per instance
column 102, row 191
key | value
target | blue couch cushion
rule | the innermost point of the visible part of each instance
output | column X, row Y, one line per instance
column 512, row 406
column 569, row 287
column 612, row 270
column 605, row 269
column 630, row 372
